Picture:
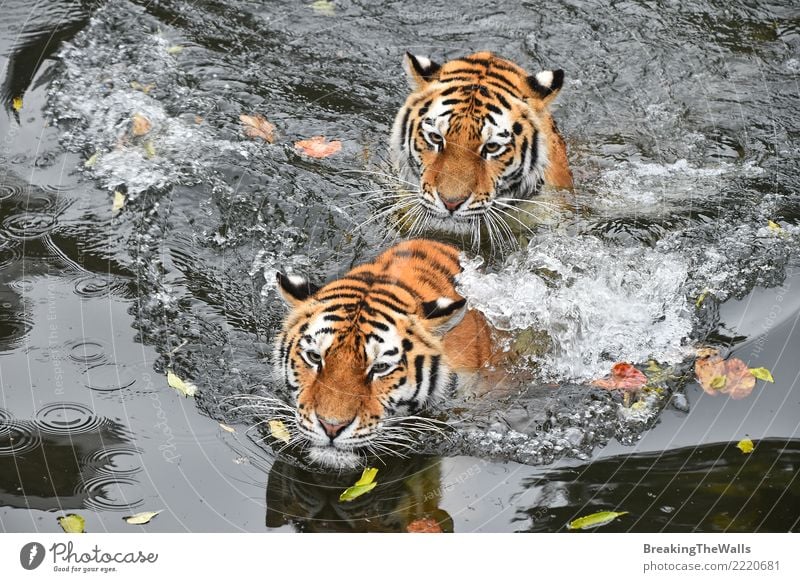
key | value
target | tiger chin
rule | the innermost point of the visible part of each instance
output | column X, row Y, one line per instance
column 365, row 353
column 477, row 141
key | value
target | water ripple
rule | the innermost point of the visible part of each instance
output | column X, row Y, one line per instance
column 30, row 225
column 109, row 377
column 68, row 418
column 17, row 438
column 109, row 492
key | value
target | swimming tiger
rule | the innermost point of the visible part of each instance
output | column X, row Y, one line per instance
column 374, row 347
column 477, row 137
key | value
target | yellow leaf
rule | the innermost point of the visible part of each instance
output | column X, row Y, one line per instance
column 746, row 446
column 701, row 297
column 72, row 523
column 184, row 387
column 718, row 382
column 92, row 160
column 16, row 103
column 140, row 125
column 226, row 428
column 364, row 485
column 774, row 226
column 149, row 149
column 143, row 88
column 325, row 7
column 119, row 202
column 175, row 49
column 762, row 374
column 595, row 519
column 141, row 518
column 278, row 430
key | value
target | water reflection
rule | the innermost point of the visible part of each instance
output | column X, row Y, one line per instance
column 67, row 458
column 706, row 488
column 408, row 490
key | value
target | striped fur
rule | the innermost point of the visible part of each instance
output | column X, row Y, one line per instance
column 382, row 342
column 476, row 134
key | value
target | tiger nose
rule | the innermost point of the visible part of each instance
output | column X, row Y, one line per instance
column 334, row 428
column 453, row 204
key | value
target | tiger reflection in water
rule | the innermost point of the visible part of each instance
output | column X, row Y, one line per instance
column 408, row 491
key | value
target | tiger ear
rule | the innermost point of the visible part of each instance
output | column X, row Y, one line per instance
column 295, row 288
column 420, row 70
column 443, row 314
column 546, row 84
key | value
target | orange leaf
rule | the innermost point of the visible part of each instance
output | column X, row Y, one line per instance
column 140, row 125
column 317, row 147
column 424, row 525
column 731, row 377
column 623, row 377
column 256, row 126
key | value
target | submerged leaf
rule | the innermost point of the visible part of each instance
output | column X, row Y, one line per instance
column 92, row 160
column 174, row 49
column 762, row 374
column 317, row 147
column 256, row 126
column 746, row 446
column 140, row 125
column 424, row 525
column 119, row 202
column 16, row 103
column 595, row 519
column 325, row 7
column 141, row 518
column 72, row 523
column 278, row 430
column 185, row 387
column 623, row 377
column 364, row 485
column 149, row 149
column 731, row 377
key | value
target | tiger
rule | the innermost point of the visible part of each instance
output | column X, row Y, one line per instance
column 474, row 139
column 375, row 347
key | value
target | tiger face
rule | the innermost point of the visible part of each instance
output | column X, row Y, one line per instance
column 366, row 351
column 476, row 135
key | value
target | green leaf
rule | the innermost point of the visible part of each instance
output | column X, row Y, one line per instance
column 718, row 382
column 149, row 149
column 364, row 485
column 746, row 446
column 141, row 518
column 762, row 374
column 72, row 523
column 184, row 387
column 595, row 520
column 324, row 7
column 701, row 298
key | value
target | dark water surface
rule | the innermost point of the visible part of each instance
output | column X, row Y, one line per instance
column 684, row 137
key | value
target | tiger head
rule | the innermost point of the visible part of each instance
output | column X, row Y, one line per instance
column 476, row 136
column 367, row 351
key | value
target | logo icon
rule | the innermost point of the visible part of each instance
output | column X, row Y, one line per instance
column 31, row 555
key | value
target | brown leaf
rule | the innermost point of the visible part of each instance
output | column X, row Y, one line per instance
column 317, row 147
column 424, row 525
column 256, row 126
column 140, row 125
column 718, row 376
column 623, row 377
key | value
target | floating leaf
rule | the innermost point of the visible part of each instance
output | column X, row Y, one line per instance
column 143, row 88
column 762, row 374
column 16, row 103
column 317, row 147
column 595, row 520
column 701, row 297
column 623, row 377
column 174, row 49
column 325, row 7
column 364, row 485
column 746, row 446
column 774, row 226
column 226, row 428
column 424, row 525
column 149, row 149
column 186, row 388
column 72, row 523
column 141, row 518
column 256, row 126
column 278, row 430
column 731, row 377
column 92, row 160
column 119, row 202
column 140, row 125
